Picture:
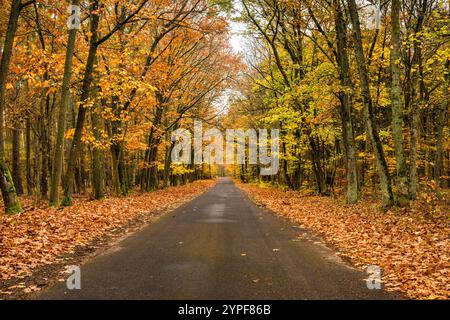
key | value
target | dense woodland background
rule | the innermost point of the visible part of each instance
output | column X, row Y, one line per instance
column 91, row 111
column 361, row 102
column 362, row 107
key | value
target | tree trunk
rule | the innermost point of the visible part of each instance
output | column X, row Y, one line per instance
column 414, row 106
column 319, row 173
column 132, row 172
column 119, row 169
column 152, row 174
column 346, row 105
column 144, row 174
column 98, row 160
column 414, row 103
column 83, row 173
column 440, row 123
column 167, row 164
column 44, row 148
column 10, row 200
column 372, row 132
column 29, row 174
column 397, row 112
column 85, row 93
column 58, row 155
column 16, row 165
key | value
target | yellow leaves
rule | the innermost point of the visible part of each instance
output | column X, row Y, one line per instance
column 89, row 138
column 70, row 133
column 46, row 84
column 134, row 137
column 179, row 169
column 9, row 86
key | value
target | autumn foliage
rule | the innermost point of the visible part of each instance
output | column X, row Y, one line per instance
column 92, row 109
column 361, row 106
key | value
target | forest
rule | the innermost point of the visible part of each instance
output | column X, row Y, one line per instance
column 362, row 105
column 92, row 91
column 91, row 110
column 361, row 98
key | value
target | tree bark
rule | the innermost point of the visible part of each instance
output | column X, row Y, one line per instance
column 29, row 174
column 168, row 159
column 440, row 123
column 372, row 132
column 44, row 144
column 98, row 157
column 119, row 169
column 346, row 105
column 10, row 200
column 413, row 102
column 16, row 165
column 397, row 112
column 85, row 92
column 58, row 155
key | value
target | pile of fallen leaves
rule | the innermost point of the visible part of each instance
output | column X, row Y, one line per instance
column 37, row 237
column 411, row 248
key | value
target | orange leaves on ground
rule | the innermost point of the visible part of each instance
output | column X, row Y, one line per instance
column 38, row 237
column 412, row 250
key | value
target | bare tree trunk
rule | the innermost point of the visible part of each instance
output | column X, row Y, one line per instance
column 84, row 179
column 319, row 174
column 85, row 92
column 346, row 105
column 144, row 174
column 414, row 103
column 397, row 112
column 440, row 123
column 44, row 148
column 29, row 174
column 168, row 161
column 372, row 132
column 152, row 174
column 119, row 169
column 58, row 155
column 98, row 159
column 132, row 171
column 10, row 200
column 16, row 165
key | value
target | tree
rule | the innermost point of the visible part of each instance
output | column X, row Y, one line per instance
column 63, row 106
column 94, row 43
column 7, row 187
column 371, row 129
column 397, row 112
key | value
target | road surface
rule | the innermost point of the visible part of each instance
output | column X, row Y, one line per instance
column 218, row 246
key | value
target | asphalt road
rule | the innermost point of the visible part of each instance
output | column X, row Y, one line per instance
column 218, row 246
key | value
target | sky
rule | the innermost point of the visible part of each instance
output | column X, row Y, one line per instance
column 238, row 44
column 238, row 29
column 237, row 38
